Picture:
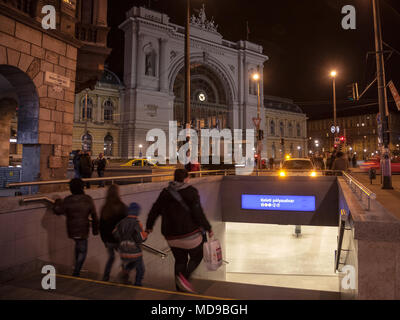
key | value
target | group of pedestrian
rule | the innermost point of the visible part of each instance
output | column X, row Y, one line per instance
column 184, row 226
column 84, row 166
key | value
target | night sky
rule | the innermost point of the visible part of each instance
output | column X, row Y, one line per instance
column 303, row 39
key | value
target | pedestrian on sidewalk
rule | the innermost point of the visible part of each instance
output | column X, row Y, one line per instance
column 86, row 167
column 354, row 160
column 101, row 164
column 183, row 226
column 79, row 210
column 113, row 211
column 341, row 162
column 130, row 235
column 76, row 161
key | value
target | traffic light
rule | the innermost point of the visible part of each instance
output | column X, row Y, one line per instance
column 260, row 134
column 342, row 139
column 352, row 92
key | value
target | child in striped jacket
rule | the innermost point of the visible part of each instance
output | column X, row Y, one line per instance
column 130, row 234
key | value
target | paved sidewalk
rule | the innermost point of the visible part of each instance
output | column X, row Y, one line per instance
column 390, row 199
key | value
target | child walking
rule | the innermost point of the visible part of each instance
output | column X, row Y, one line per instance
column 130, row 234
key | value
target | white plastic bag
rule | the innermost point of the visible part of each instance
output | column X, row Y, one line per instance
column 212, row 254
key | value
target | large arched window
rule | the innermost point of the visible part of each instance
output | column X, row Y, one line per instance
column 87, row 142
column 282, row 128
column 108, row 145
column 272, row 127
column 87, row 112
column 108, row 110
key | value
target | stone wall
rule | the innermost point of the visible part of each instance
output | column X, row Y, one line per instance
column 32, row 232
column 34, row 52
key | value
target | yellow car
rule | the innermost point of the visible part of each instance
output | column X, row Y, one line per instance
column 144, row 163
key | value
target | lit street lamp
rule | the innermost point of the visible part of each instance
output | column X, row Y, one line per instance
column 256, row 77
column 333, row 76
column 140, row 150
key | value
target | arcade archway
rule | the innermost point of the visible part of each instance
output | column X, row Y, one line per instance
column 19, row 120
column 210, row 100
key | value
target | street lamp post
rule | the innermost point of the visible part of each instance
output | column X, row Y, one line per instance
column 256, row 78
column 382, row 97
column 187, row 67
column 333, row 75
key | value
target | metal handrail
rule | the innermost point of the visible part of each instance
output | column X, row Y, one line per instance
column 154, row 250
column 119, row 178
column 363, row 189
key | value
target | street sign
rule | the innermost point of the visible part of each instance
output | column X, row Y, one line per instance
column 333, row 129
column 337, row 140
column 395, row 94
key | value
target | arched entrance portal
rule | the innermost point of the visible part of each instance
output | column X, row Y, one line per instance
column 19, row 120
column 210, row 101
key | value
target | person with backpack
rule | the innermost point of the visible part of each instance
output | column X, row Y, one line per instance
column 79, row 210
column 130, row 235
column 183, row 226
column 113, row 211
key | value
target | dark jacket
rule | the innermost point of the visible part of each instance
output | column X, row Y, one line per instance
column 85, row 166
column 101, row 164
column 177, row 221
column 341, row 164
column 78, row 209
column 76, row 161
column 118, row 212
column 130, row 234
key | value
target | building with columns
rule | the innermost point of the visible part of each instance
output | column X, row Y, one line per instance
column 286, row 129
column 97, row 117
column 223, row 94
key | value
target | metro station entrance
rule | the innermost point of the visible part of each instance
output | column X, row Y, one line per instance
column 272, row 255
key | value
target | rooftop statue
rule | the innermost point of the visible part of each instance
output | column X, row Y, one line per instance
column 202, row 22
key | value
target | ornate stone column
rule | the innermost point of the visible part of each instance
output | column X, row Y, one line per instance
column 140, row 60
column 163, row 65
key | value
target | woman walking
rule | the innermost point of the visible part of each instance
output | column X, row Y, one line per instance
column 113, row 211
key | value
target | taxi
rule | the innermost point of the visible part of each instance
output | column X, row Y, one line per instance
column 144, row 163
column 297, row 167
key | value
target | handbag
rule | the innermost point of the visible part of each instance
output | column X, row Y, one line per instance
column 212, row 254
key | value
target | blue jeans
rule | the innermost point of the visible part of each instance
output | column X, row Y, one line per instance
column 81, row 246
column 111, row 248
column 101, row 175
column 139, row 266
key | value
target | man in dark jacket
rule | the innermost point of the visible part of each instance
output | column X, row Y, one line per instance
column 101, row 163
column 76, row 161
column 183, row 224
column 79, row 210
column 86, row 167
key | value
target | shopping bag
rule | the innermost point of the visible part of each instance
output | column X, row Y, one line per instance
column 212, row 254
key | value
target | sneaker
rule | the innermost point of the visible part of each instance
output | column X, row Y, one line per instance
column 184, row 284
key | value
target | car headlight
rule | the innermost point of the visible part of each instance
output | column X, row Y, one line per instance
column 282, row 173
column 313, row 174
